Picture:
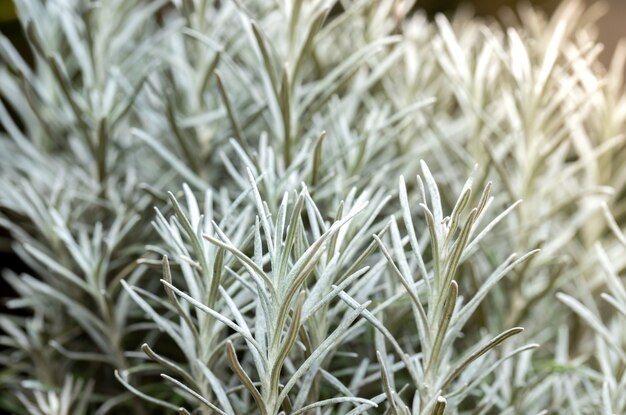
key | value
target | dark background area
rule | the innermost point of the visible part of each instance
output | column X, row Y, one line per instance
column 482, row 7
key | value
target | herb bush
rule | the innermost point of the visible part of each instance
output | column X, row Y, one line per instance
column 311, row 207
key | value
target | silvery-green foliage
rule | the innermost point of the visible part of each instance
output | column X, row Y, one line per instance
column 607, row 348
column 72, row 398
column 292, row 269
column 532, row 104
column 441, row 316
column 266, row 309
column 513, row 96
column 255, row 302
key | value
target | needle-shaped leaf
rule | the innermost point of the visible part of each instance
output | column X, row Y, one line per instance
column 234, row 364
column 466, row 361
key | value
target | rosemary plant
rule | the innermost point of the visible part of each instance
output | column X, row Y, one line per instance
column 210, row 201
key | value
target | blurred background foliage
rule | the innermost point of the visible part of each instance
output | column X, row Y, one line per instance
column 611, row 26
column 611, row 30
column 482, row 7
